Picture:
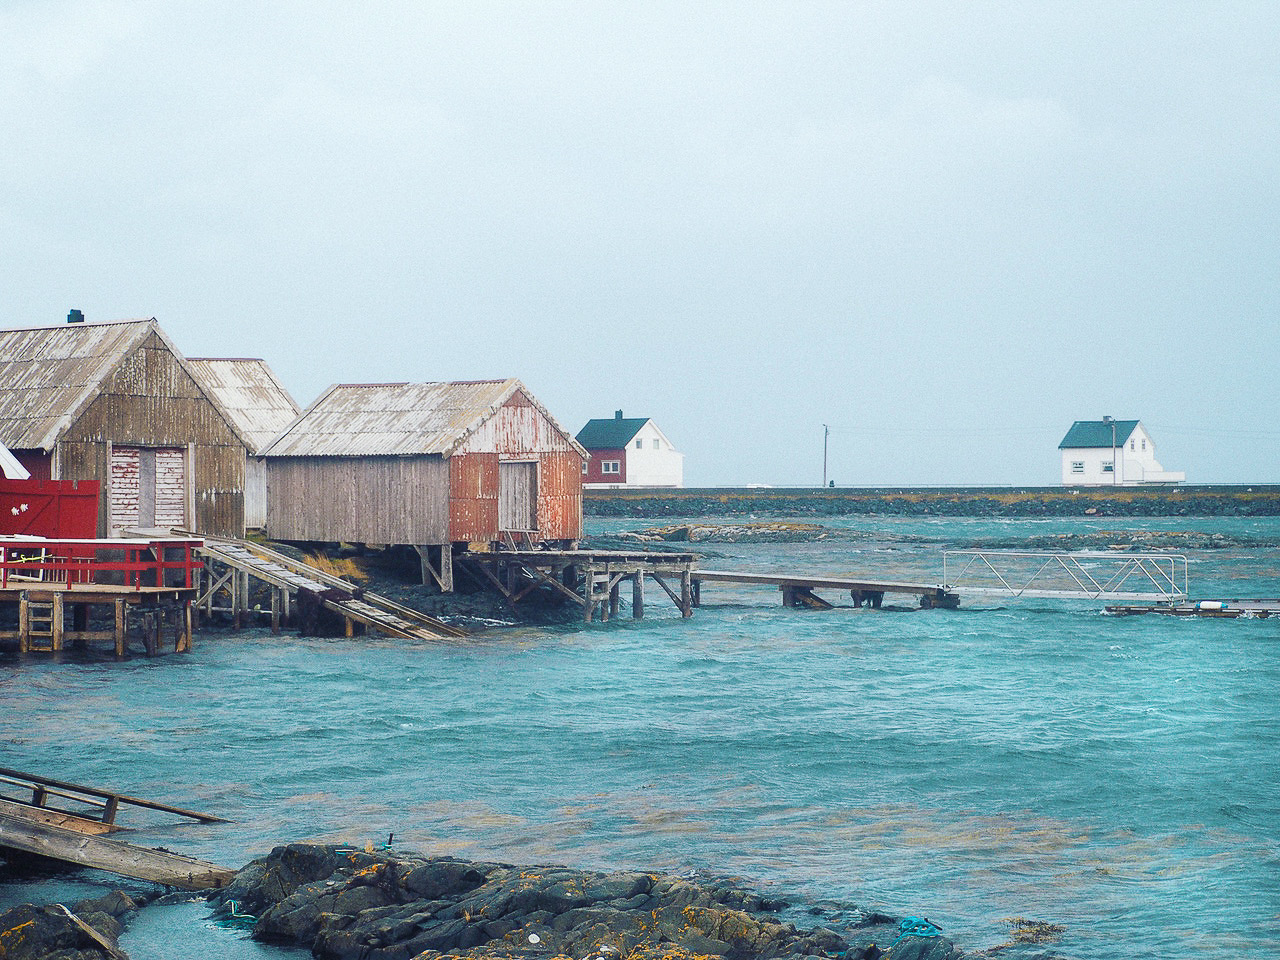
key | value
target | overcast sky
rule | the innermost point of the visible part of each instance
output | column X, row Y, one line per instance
column 946, row 230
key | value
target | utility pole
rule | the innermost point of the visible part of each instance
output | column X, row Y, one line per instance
column 826, row 432
column 1111, row 420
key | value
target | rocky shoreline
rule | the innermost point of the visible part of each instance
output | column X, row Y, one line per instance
column 348, row 904
column 345, row 903
column 1251, row 501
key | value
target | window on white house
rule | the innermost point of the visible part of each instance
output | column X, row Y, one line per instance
column 1108, row 466
column 610, row 466
column 1077, row 466
column 640, row 444
column 1133, row 445
column 1144, row 444
column 657, row 444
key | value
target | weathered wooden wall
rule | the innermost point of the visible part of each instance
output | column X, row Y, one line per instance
column 151, row 401
column 255, row 493
column 358, row 499
column 518, row 431
column 427, row 499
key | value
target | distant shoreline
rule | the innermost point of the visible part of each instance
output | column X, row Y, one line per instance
column 1238, row 500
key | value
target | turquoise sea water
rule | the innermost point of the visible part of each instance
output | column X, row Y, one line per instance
column 1033, row 758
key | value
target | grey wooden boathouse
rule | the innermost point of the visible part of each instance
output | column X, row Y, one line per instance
column 117, row 404
column 438, row 466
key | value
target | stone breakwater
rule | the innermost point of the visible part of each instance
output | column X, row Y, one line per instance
column 784, row 532
column 973, row 502
column 345, row 904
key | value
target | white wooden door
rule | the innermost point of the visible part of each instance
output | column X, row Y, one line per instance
column 517, row 495
column 148, row 488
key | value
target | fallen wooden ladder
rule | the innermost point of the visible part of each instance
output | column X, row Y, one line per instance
column 291, row 576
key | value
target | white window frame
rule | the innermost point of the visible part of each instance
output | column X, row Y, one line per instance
column 611, row 467
column 1077, row 466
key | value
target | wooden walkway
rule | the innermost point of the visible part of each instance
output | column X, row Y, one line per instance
column 71, row 822
column 230, row 564
column 798, row 589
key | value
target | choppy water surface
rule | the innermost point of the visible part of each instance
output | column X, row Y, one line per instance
column 1118, row 776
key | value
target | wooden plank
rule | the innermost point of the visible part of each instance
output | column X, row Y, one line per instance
column 56, row 818
column 113, row 856
column 102, row 942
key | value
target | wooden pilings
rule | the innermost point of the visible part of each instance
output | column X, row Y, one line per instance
column 49, row 620
column 591, row 578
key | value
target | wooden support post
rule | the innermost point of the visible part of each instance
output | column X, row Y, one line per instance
column 275, row 609
column 446, row 568
column 56, row 622
column 697, row 592
column 188, row 626
column 122, row 628
column 235, row 600
column 637, row 595
column 614, row 600
column 348, row 627
column 286, row 612
column 686, row 593
column 24, row 623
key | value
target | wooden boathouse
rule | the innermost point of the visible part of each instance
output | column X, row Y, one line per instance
column 442, row 467
column 259, row 408
column 116, row 404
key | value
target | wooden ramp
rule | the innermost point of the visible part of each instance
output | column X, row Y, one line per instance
column 72, row 822
column 21, row 832
column 797, row 589
column 288, row 577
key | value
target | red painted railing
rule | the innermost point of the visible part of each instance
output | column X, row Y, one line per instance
column 65, row 564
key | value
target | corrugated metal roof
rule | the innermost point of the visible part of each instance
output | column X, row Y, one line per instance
column 48, row 374
column 257, row 404
column 1091, row 434
column 611, row 434
column 396, row 419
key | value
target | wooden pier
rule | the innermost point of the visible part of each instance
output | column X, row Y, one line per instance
column 142, row 587
column 70, row 822
column 591, row 578
column 798, row 590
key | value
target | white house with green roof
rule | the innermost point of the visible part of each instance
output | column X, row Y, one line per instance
column 629, row 452
column 1110, row 452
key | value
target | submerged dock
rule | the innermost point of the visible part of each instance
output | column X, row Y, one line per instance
column 1225, row 609
column 70, row 822
column 798, row 589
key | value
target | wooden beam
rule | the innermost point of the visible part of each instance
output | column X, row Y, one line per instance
column 113, row 856
column 637, row 595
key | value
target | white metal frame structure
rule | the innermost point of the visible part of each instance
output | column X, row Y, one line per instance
column 1148, row 577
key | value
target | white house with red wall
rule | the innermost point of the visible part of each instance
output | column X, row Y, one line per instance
column 629, row 452
column 1111, row 452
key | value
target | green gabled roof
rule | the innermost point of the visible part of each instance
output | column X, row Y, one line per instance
column 612, row 434
column 1096, row 433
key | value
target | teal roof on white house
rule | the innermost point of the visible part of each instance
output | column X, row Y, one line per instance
column 1092, row 434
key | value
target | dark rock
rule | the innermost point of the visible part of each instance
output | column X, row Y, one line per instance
column 29, row 932
column 344, row 905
